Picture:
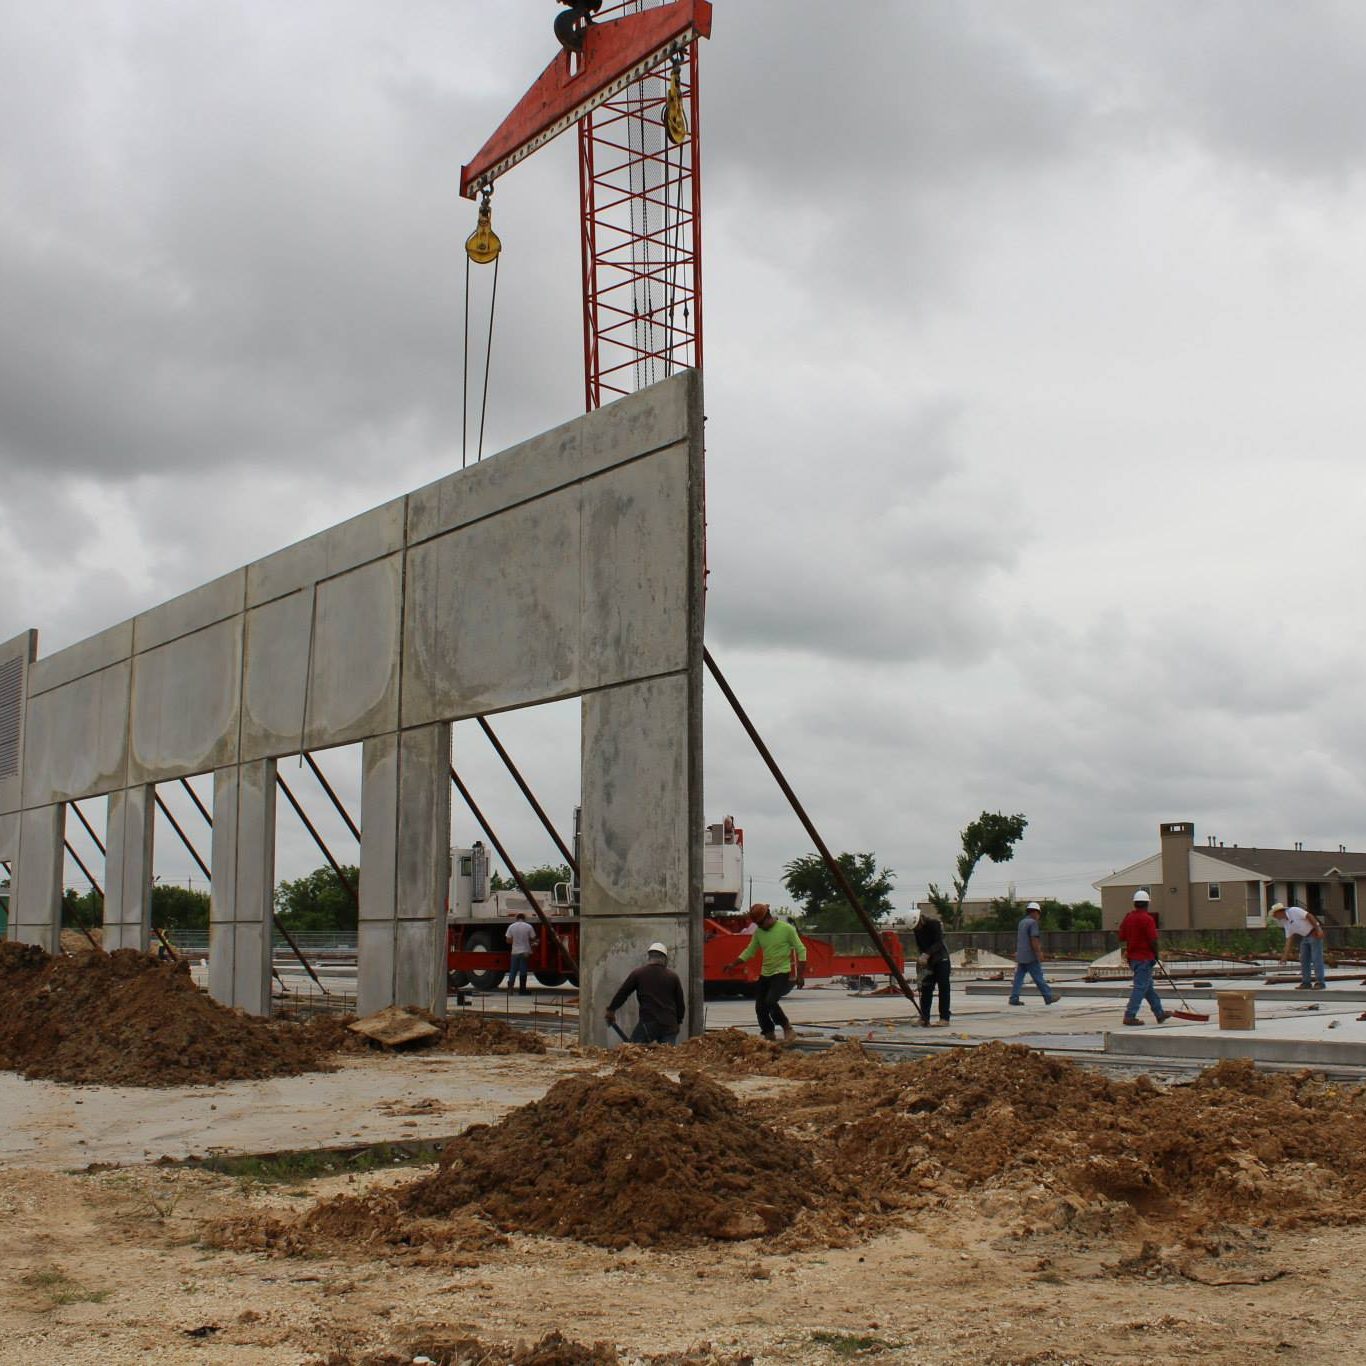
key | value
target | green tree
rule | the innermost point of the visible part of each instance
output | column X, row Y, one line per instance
column 1006, row 911
column 318, row 901
column 178, row 909
column 81, row 908
column 824, row 908
column 540, row 879
column 993, row 836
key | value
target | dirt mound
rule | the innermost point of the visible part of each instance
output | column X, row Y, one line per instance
column 1236, row 1145
column 729, row 1050
column 629, row 1158
column 79, row 941
column 734, row 1051
column 124, row 1019
column 482, row 1035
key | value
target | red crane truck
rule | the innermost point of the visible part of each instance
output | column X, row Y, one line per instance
column 476, row 943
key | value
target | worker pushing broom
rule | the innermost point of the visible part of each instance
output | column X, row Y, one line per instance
column 1138, row 944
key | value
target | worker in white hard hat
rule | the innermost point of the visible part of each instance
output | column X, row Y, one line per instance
column 1029, row 957
column 658, row 990
column 932, row 964
column 1138, row 944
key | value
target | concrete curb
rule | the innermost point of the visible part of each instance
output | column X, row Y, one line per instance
column 1307, row 1052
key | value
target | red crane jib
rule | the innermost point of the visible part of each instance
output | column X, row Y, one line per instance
column 615, row 54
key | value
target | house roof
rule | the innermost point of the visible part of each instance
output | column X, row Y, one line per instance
column 1291, row 865
column 1237, row 864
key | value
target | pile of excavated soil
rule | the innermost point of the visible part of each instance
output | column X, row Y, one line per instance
column 732, row 1051
column 1235, row 1146
column 483, row 1035
column 630, row 1158
column 125, row 1019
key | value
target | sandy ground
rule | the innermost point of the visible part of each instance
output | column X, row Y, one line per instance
column 107, row 1268
column 110, row 1266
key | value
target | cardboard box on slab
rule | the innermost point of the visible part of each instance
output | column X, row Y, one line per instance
column 1237, row 1009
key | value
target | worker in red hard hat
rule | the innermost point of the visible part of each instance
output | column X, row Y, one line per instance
column 1138, row 945
column 784, row 953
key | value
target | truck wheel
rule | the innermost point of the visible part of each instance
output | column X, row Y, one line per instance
column 550, row 979
column 481, row 941
column 457, row 981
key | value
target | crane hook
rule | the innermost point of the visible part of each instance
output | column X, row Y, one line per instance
column 675, row 116
column 483, row 244
column 571, row 26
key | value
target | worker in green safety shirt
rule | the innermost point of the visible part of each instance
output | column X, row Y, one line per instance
column 784, row 953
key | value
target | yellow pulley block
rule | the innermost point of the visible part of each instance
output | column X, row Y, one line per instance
column 483, row 244
column 675, row 116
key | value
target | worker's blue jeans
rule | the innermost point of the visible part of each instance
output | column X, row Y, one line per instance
column 649, row 1032
column 1143, row 990
column 1035, row 971
column 519, row 966
column 1311, row 961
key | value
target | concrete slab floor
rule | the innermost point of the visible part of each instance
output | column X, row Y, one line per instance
column 387, row 1098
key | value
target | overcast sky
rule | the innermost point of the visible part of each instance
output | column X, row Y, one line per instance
column 1034, row 343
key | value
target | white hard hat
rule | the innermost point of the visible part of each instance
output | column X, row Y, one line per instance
column 1141, row 898
column 912, row 919
column 657, row 947
column 1033, row 906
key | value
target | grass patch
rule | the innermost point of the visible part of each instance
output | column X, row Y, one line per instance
column 846, row 1345
column 292, row 1168
column 58, row 1288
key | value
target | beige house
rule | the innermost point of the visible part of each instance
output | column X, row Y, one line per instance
column 1214, row 886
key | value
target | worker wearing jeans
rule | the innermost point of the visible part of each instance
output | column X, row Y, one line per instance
column 784, row 953
column 1138, row 943
column 521, row 940
column 1295, row 920
column 1029, row 957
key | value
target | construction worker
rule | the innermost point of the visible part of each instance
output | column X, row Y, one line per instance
column 932, row 958
column 1138, row 945
column 1295, row 920
column 521, row 940
column 1029, row 956
column 659, row 991
column 784, row 953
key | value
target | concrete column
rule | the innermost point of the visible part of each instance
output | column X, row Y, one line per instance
column 641, row 853
column 243, row 867
column 128, row 869
column 405, row 868
column 36, row 902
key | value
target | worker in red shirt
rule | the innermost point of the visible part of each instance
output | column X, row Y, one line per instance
column 1138, row 944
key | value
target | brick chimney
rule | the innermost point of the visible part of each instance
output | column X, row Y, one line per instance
column 1172, row 900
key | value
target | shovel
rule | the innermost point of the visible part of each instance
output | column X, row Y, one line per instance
column 1188, row 1013
column 616, row 1029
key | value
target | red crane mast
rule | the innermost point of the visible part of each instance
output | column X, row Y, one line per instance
column 627, row 76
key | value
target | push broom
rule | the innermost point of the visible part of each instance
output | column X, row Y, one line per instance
column 1188, row 1014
